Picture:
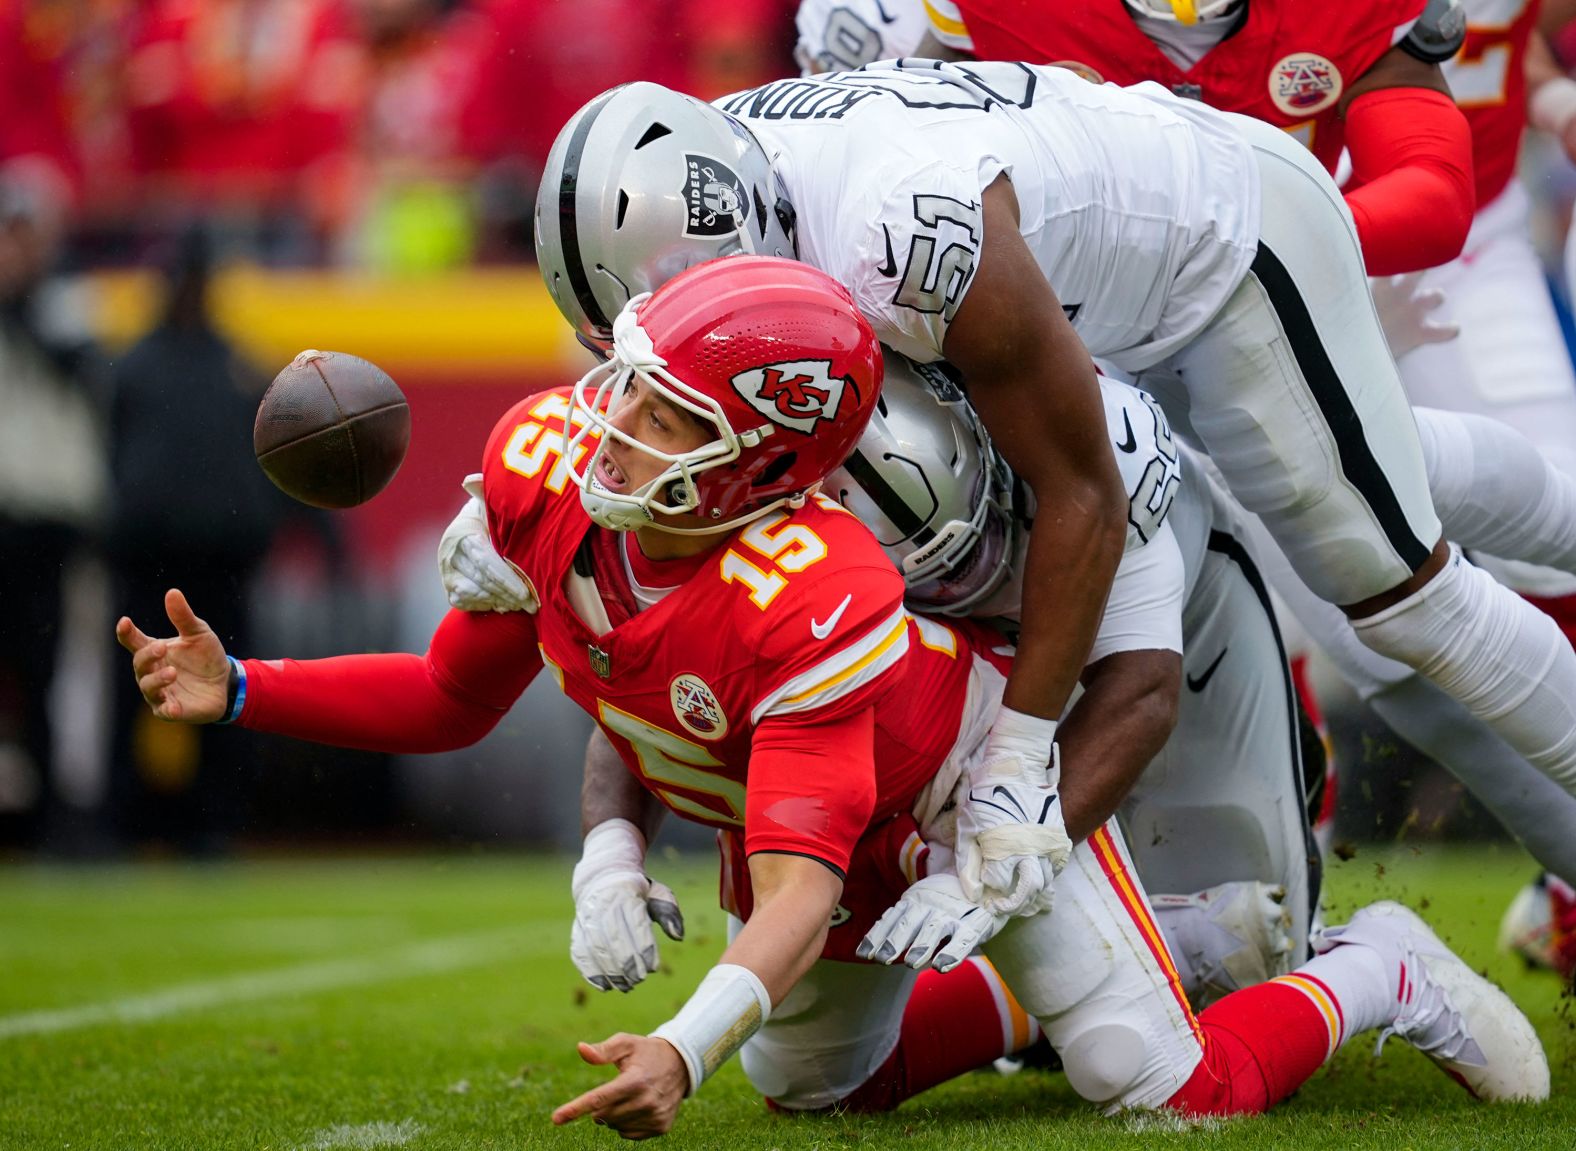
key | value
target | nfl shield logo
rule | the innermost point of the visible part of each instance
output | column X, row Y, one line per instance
column 601, row 662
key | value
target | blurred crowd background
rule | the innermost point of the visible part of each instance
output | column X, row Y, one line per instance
column 191, row 191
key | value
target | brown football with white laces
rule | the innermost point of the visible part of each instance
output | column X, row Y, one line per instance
column 332, row 429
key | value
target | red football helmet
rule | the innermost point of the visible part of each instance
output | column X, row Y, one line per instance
column 770, row 352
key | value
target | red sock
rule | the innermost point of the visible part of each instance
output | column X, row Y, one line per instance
column 953, row 1023
column 1260, row 1045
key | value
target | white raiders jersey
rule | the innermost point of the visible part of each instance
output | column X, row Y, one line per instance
column 1167, row 527
column 1142, row 209
column 836, row 35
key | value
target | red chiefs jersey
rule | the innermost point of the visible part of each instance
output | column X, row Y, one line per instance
column 795, row 620
column 1288, row 64
column 1488, row 79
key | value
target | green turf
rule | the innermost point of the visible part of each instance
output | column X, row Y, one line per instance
column 430, row 1003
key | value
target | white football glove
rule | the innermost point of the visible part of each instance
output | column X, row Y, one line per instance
column 612, row 943
column 1012, row 839
column 474, row 575
column 1404, row 313
column 933, row 925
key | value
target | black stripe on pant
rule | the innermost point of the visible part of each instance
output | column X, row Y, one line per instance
column 1356, row 458
column 1230, row 547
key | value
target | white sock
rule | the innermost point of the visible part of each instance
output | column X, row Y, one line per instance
column 1356, row 977
column 1495, row 492
column 1493, row 652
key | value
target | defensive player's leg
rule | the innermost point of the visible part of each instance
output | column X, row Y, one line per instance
column 1292, row 390
column 1530, row 806
column 1224, row 802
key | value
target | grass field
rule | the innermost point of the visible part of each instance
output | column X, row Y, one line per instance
column 430, row 1003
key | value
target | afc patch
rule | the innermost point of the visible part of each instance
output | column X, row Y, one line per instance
column 696, row 707
column 796, row 394
column 715, row 197
column 1303, row 83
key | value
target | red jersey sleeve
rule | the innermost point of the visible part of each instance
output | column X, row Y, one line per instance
column 812, row 786
column 476, row 667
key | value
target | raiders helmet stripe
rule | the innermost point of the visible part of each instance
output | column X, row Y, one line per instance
column 568, row 228
column 891, row 504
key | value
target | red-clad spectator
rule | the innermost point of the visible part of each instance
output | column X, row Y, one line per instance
column 39, row 173
column 230, row 103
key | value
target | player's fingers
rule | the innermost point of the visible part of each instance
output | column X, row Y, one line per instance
column 1406, row 281
column 927, row 939
column 130, row 636
column 901, row 936
column 663, row 907
column 153, row 685
column 149, row 658
column 187, row 625
column 879, row 932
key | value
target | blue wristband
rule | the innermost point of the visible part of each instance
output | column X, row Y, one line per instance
column 238, row 702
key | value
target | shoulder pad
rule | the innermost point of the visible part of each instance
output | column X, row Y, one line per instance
column 1438, row 33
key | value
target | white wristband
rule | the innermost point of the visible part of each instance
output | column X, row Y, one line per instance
column 728, row 1007
column 1552, row 106
column 1028, row 738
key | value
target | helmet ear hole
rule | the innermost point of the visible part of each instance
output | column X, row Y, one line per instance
column 775, row 470
column 655, row 132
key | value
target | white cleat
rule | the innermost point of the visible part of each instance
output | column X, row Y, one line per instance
column 1449, row 1012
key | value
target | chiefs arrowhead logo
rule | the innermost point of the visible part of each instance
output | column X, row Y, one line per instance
column 796, row 394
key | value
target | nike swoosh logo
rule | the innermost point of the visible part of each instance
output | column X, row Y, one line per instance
column 1199, row 683
column 1130, row 444
column 890, row 267
column 822, row 630
column 885, row 19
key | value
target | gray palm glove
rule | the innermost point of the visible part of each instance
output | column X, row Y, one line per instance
column 933, row 925
column 616, row 902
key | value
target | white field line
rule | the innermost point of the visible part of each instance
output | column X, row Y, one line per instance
column 425, row 958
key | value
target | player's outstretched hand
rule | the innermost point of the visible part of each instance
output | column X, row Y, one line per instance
column 474, row 575
column 1407, row 313
column 612, row 943
column 933, row 925
column 185, row 678
column 643, row 1100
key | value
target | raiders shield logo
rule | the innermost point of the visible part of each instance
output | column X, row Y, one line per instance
column 796, row 394
column 696, row 707
column 1302, row 84
column 715, row 196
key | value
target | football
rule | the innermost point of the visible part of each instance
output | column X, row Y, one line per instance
column 331, row 430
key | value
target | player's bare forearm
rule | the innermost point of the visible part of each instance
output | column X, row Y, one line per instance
column 1033, row 384
column 1541, row 66
column 609, row 790
column 1396, row 69
column 1554, row 15
column 794, row 900
column 1119, row 724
